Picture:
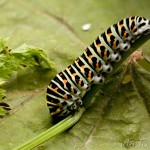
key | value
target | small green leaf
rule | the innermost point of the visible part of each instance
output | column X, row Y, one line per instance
column 2, row 94
column 3, row 112
column 16, row 59
column 126, row 79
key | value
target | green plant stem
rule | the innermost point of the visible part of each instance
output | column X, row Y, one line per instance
column 71, row 120
column 53, row 131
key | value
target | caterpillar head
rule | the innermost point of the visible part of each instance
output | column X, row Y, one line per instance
column 143, row 26
column 73, row 106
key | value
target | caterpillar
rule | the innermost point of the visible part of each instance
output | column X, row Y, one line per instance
column 64, row 93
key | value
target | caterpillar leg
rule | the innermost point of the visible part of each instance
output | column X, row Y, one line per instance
column 107, row 67
column 80, row 102
column 74, row 106
column 69, row 109
column 65, row 112
column 124, row 46
column 99, row 79
column 115, row 56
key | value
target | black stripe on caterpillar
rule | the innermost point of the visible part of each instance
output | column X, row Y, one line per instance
column 64, row 93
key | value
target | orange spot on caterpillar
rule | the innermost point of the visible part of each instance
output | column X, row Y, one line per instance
column 65, row 81
column 90, row 56
column 133, row 29
column 109, row 34
column 74, row 74
column 97, row 65
column 114, row 43
column 72, row 90
column 125, row 34
column 99, row 45
column 83, row 67
column 56, row 89
column 65, row 96
column 89, row 75
column 69, row 68
column 121, row 25
column 79, row 83
column 55, row 112
column 105, row 53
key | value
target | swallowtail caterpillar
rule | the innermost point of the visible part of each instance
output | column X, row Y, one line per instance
column 64, row 91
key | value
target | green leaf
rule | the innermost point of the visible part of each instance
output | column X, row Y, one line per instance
column 119, row 114
column 30, row 56
column 23, row 56
column 126, row 79
column 3, row 111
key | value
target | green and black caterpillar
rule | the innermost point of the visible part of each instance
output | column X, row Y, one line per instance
column 64, row 93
